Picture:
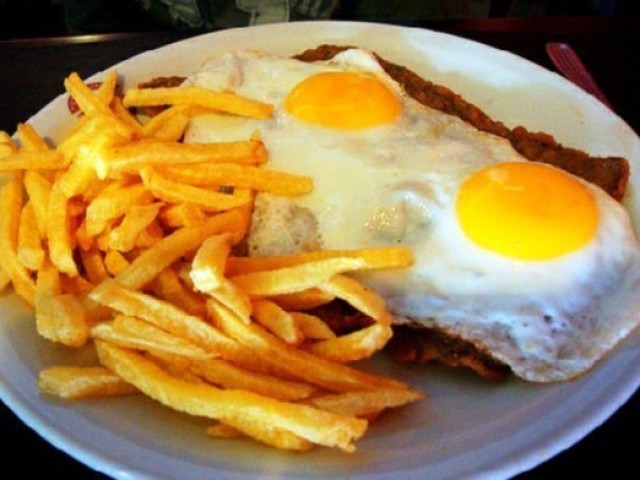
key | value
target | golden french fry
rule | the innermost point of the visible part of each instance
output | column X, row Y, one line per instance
column 33, row 160
column 113, row 203
column 278, row 321
column 360, row 404
column 30, row 139
column 88, row 101
column 133, row 333
column 4, row 280
column 221, row 101
column 29, row 250
column 7, row 145
column 353, row 346
column 359, row 296
column 227, row 375
column 38, row 189
column 115, row 262
column 179, row 243
column 124, row 115
column 74, row 383
column 312, row 327
column 168, row 286
column 59, row 239
column 222, row 430
column 93, row 265
column 169, row 125
column 315, row 425
column 130, row 158
column 59, row 317
column 296, row 278
column 303, row 300
column 173, row 192
column 373, row 258
column 262, row 431
column 11, row 208
column 298, row 363
column 107, row 89
column 182, row 215
column 136, row 220
column 164, row 315
column 237, row 175
column 207, row 267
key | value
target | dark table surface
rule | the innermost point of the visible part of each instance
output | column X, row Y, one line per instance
column 32, row 72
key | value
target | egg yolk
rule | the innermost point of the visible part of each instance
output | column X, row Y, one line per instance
column 527, row 210
column 343, row 100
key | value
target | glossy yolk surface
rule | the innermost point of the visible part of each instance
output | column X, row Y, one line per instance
column 526, row 210
column 343, row 100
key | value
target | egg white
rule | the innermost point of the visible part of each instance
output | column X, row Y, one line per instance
column 397, row 183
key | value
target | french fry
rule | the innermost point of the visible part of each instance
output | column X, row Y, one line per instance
column 107, row 89
column 38, row 189
column 315, row 425
column 164, row 315
column 169, row 125
column 133, row 333
column 219, row 101
column 112, row 204
column 7, row 145
column 353, row 346
column 236, row 175
column 262, row 431
column 29, row 250
column 5, row 281
column 227, row 375
column 211, row 200
column 30, row 140
column 303, row 300
column 136, row 220
column 278, row 321
column 296, row 278
column 33, row 160
column 372, row 258
column 360, row 404
column 93, row 265
column 59, row 317
column 130, row 158
column 76, row 383
column 115, row 262
column 88, row 101
column 207, row 267
column 300, row 364
column 59, row 238
column 168, row 286
column 179, row 243
column 359, row 296
column 11, row 208
column 312, row 327
column 182, row 214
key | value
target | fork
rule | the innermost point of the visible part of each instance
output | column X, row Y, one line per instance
column 569, row 64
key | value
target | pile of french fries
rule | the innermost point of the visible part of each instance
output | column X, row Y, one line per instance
column 122, row 237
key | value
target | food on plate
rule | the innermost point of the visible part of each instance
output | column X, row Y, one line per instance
column 121, row 246
column 523, row 250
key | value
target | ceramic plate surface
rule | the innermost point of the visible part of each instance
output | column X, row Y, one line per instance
column 466, row 428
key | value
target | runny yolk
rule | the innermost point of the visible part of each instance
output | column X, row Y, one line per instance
column 343, row 100
column 526, row 210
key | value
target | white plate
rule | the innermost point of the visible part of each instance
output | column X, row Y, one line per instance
column 467, row 428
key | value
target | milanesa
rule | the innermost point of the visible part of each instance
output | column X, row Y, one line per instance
column 420, row 166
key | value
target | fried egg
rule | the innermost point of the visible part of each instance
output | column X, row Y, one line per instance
column 530, row 263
